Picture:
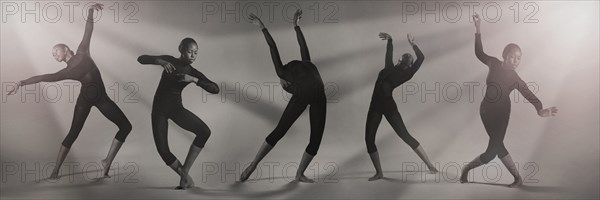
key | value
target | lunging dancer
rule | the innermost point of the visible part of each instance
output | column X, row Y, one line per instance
column 302, row 79
column 383, row 104
column 81, row 67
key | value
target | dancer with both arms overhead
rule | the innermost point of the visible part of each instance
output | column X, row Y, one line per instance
column 82, row 68
column 382, row 102
column 495, row 107
column 302, row 79
column 167, row 104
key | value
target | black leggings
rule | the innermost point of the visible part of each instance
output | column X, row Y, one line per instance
column 395, row 120
column 291, row 113
column 495, row 120
column 108, row 108
column 186, row 120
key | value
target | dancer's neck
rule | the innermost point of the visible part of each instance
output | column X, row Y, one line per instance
column 68, row 57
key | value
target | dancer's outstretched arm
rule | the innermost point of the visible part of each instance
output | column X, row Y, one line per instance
column 65, row 73
column 389, row 50
column 303, row 47
column 84, row 45
column 164, row 61
column 530, row 96
column 482, row 56
column 279, row 69
column 54, row 77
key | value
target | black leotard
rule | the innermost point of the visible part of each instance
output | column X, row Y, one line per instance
column 82, row 68
column 304, row 77
column 391, row 77
column 495, row 107
column 382, row 101
column 168, row 105
column 307, row 89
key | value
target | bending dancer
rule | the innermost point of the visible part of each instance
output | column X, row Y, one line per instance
column 382, row 102
column 82, row 68
column 177, row 74
column 495, row 107
column 302, row 79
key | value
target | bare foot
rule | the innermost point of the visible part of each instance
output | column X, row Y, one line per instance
column 377, row 176
column 190, row 182
column 464, row 177
column 54, row 176
column 246, row 173
column 433, row 170
column 186, row 182
column 304, row 179
column 105, row 168
column 517, row 183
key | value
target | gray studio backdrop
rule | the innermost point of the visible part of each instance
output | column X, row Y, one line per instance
column 440, row 105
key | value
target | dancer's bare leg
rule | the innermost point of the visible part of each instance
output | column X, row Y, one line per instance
column 262, row 152
column 306, row 158
column 378, row 172
column 421, row 153
column 186, row 180
column 62, row 154
column 510, row 165
column 112, row 152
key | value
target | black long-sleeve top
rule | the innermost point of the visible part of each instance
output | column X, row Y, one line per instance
column 303, row 76
column 501, row 81
column 391, row 77
column 80, row 67
column 170, row 82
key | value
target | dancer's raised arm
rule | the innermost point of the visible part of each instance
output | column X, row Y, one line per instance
column 84, row 45
column 420, row 57
column 482, row 56
column 279, row 69
column 389, row 50
column 303, row 47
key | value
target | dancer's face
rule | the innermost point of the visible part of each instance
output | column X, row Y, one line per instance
column 59, row 53
column 189, row 53
column 513, row 58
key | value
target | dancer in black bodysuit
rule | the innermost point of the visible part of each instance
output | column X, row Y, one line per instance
column 382, row 103
column 495, row 107
column 177, row 74
column 302, row 79
column 82, row 68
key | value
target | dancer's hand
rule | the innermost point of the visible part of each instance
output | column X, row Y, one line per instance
column 548, row 112
column 411, row 39
column 15, row 89
column 477, row 22
column 385, row 36
column 186, row 78
column 255, row 20
column 297, row 16
column 97, row 7
column 165, row 64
